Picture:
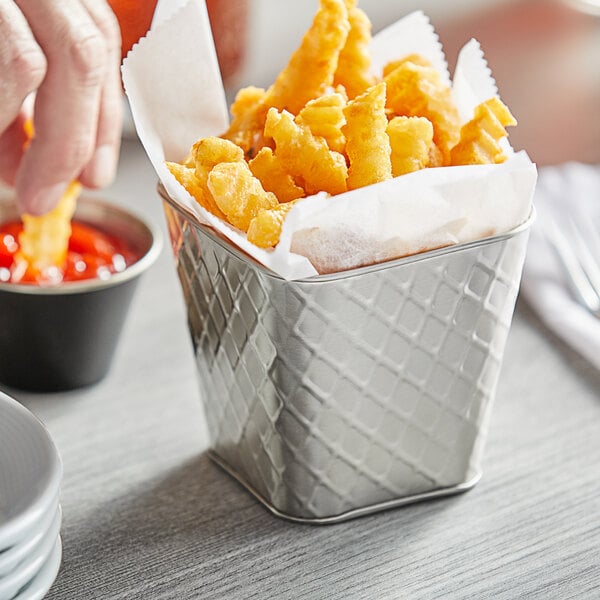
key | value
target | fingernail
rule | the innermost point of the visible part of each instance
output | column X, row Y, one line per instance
column 44, row 200
column 101, row 169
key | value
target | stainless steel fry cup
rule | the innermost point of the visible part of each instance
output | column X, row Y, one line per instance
column 336, row 396
column 64, row 337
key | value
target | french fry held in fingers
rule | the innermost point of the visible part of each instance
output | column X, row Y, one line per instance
column 330, row 123
column 45, row 239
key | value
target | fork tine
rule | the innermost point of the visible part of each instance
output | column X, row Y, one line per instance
column 572, row 266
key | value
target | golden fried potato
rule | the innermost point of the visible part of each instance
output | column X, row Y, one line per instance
column 205, row 154
column 187, row 178
column 44, row 240
column 269, row 169
column 246, row 100
column 354, row 65
column 308, row 74
column 327, row 124
column 417, row 59
column 306, row 157
column 479, row 138
column 436, row 158
column 324, row 116
column 211, row 151
column 238, row 193
column 417, row 90
column 367, row 143
column 411, row 139
column 265, row 228
column 188, row 161
column 248, row 111
column 311, row 68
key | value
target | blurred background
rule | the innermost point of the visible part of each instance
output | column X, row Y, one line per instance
column 544, row 54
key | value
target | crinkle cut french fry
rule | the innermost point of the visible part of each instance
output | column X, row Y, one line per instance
column 193, row 175
column 307, row 75
column 274, row 177
column 238, row 193
column 187, row 178
column 480, row 137
column 311, row 68
column 415, row 90
column 306, row 157
column 265, row 228
column 354, row 65
column 411, row 139
column 246, row 128
column 210, row 151
column 44, row 240
column 324, row 116
column 416, row 59
column 367, row 142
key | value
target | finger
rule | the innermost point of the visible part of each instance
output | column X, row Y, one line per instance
column 22, row 62
column 100, row 171
column 12, row 144
column 67, row 102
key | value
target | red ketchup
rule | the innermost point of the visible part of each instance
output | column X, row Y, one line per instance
column 92, row 254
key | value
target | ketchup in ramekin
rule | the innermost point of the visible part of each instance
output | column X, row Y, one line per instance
column 92, row 254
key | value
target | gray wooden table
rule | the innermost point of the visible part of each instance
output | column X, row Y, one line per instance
column 147, row 515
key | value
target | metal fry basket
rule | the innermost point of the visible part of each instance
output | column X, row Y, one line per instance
column 336, row 396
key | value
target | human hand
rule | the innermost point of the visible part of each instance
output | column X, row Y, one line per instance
column 68, row 53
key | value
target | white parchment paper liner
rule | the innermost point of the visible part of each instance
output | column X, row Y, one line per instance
column 172, row 80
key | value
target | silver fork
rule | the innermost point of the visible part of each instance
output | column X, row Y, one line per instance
column 576, row 243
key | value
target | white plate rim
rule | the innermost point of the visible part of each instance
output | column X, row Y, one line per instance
column 12, row 531
column 37, row 588
column 27, row 569
column 11, row 557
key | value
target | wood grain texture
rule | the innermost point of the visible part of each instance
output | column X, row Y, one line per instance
column 147, row 515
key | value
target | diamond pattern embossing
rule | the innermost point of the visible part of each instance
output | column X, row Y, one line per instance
column 337, row 394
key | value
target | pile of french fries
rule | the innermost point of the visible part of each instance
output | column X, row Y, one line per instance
column 329, row 124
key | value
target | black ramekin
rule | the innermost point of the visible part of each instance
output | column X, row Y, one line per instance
column 64, row 337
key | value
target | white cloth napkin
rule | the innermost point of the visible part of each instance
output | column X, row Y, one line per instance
column 568, row 189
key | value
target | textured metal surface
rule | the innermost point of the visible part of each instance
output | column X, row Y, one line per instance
column 354, row 512
column 338, row 393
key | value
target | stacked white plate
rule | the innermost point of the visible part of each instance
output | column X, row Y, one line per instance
column 30, row 514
